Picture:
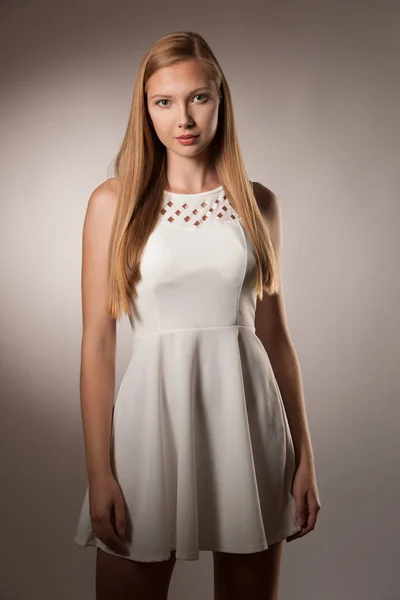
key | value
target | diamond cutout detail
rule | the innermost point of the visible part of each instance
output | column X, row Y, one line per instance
column 177, row 214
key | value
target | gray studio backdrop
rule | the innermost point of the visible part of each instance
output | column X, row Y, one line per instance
column 316, row 95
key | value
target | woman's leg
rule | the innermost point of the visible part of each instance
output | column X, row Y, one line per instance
column 124, row 579
column 252, row 576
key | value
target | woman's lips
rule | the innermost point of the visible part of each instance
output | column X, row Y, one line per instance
column 188, row 141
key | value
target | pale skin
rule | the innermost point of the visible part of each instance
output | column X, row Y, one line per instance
column 236, row 576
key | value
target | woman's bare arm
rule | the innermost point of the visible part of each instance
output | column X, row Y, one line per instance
column 272, row 329
column 98, row 349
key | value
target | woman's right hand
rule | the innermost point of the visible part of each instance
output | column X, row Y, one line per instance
column 107, row 511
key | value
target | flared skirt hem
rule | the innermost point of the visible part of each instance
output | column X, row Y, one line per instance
column 194, row 555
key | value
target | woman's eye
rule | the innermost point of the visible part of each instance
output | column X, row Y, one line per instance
column 196, row 96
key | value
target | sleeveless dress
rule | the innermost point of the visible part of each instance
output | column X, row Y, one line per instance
column 200, row 442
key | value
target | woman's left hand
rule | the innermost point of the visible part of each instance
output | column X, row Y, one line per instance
column 305, row 493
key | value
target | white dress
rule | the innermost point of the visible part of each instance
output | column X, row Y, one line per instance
column 200, row 444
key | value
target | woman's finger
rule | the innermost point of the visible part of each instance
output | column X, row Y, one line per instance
column 104, row 531
column 301, row 508
column 313, row 510
column 113, row 541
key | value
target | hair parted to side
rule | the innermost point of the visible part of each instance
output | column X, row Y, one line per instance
column 140, row 167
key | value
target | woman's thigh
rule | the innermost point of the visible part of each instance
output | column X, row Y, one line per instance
column 124, row 579
column 253, row 576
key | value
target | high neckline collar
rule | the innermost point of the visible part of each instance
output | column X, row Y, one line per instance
column 215, row 191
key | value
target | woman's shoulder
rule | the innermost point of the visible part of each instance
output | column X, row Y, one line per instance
column 266, row 199
column 109, row 188
column 106, row 193
column 102, row 202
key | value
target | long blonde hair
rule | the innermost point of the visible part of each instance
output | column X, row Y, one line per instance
column 140, row 167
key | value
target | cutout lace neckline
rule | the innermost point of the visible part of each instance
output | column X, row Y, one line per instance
column 190, row 215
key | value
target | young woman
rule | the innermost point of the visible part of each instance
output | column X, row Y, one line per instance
column 200, row 451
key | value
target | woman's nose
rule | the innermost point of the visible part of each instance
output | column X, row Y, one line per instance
column 185, row 117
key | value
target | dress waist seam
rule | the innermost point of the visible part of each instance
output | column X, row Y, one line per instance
column 183, row 329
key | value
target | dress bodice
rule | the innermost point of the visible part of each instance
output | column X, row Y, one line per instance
column 197, row 267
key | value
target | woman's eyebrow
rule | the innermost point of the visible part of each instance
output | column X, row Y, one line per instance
column 189, row 94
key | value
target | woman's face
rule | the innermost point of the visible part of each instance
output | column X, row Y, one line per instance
column 181, row 100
